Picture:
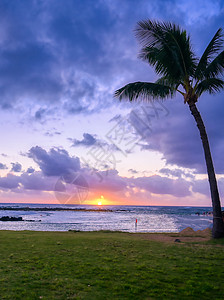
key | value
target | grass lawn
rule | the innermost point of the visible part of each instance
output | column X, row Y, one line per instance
column 106, row 265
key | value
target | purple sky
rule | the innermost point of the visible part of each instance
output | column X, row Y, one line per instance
column 65, row 139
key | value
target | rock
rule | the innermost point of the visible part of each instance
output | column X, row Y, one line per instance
column 177, row 241
column 7, row 218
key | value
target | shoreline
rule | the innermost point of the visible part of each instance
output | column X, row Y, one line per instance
column 55, row 209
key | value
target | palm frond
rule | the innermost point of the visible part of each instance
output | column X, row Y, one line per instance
column 158, row 58
column 144, row 90
column 213, row 47
column 168, row 82
column 210, row 85
column 216, row 67
column 167, row 48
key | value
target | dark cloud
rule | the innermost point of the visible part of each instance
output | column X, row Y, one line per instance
column 57, row 52
column 98, row 146
column 16, row 167
column 3, row 166
column 75, row 52
column 132, row 171
column 88, row 140
column 39, row 113
column 9, row 182
column 176, row 173
column 37, row 181
column 78, row 52
column 56, row 162
column 30, row 170
column 177, row 137
column 26, row 72
column 44, row 114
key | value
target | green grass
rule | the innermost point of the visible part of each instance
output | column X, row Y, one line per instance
column 106, row 265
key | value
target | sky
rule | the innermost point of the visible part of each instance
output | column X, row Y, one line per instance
column 66, row 140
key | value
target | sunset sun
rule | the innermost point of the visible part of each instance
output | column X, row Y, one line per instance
column 100, row 200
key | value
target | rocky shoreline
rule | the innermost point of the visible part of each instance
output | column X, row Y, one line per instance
column 7, row 218
column 15, row 219
column 53, row 209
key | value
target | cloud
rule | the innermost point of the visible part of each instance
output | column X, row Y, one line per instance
column 198, row 12
column 202, row 186
column 37, row 181
column 176, row 173
column 58, row 167
column 16, row 167
column 51, row 133
column 176, row 135
column 162, row 185
column 108, row 181
column 3, row 166
column 88, row 140
column 65, row 54
column 9, row 182
column 59, row 55
column 30, row 170
column 100, row 149
column 39, row 113
column 56, row 162
column 132, row 171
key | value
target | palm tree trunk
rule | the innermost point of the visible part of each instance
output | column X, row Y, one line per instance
column 218, row 225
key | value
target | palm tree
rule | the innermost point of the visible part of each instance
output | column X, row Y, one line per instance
column 167, row 48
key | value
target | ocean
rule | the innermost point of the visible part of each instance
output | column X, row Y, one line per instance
column 93, row 218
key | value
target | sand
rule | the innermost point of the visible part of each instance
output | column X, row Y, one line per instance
column 184, row 236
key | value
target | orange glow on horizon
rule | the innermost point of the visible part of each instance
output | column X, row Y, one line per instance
column 101, row 200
